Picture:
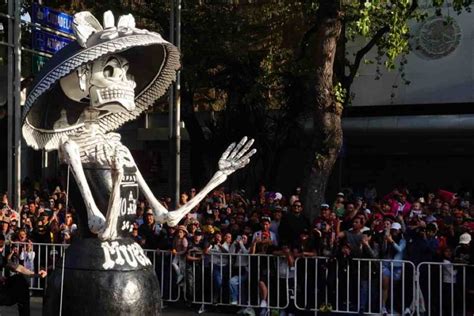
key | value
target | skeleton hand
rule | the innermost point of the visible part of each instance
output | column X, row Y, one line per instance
column 236, row 156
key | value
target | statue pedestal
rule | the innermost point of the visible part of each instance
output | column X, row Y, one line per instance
column 103, row 278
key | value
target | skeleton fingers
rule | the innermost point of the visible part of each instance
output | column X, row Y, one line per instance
column 234, row 158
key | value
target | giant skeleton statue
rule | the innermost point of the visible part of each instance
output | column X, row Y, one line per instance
column 109, row 76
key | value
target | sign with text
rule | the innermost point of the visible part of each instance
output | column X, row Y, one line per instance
column 48, row 42
column 56, row 20
column 128, row 202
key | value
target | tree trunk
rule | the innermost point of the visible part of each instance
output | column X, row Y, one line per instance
column 326, row 111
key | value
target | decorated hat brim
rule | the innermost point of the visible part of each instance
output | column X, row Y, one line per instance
column 153, row 63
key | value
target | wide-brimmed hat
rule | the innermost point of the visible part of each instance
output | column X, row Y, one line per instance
column 49, row 114
column 183, row 228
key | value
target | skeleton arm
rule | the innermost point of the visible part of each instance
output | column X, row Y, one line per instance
column 69, row 150
column 113, row 210
column 234, row 158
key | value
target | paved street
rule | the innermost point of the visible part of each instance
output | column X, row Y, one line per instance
column 170, row 310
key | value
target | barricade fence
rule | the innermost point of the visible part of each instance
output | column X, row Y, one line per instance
column 350, row 286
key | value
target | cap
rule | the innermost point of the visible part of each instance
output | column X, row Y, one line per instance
column 340, row 194
column 324, row 206
column 465, row 239
column 265, row 219
column 396, row 226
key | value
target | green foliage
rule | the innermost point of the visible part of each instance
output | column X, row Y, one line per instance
column 340, row 93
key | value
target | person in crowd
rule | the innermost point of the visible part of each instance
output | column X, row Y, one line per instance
column 296, row 195
column 135, row 236
column 339, row 205
column 27, row 257
column 463, row 252
column 68, row 227
column 370, row 192
column 393, row 249
column 367, row 249
column 149, row 230
column 286, row 269
column 194, row 259
column 5, row 228
column 139, row 214
column 14, row 287
column 180, row 247
column 292, row 224
column 219, row 250
column 259, row 266
column 449, row 282
column 41, row 233
column 265, row 223
column 276, row 220
column 240, row 247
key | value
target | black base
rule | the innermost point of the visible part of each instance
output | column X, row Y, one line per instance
column 89, row 289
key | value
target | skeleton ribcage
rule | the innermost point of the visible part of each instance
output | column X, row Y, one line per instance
column 100, row 149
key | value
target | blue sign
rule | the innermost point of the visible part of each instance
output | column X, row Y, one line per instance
column 48, row 42
column 56, row 20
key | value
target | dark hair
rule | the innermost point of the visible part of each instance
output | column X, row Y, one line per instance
column 2, row 237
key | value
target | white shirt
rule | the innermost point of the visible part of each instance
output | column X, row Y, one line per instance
column 449, row 274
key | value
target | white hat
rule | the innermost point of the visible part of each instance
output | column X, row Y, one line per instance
column 465, row 239
column 396, row 226
column 278, row 196
column 340, row 194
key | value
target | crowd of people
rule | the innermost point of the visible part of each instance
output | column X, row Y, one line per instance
column 423, row 227
column 431, row 227
column 42, row 218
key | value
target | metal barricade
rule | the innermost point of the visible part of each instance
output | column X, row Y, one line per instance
column 354, row 286
column 41, row 256
column 313, row 284
column 246, row 280
column 445, row 289
column 49, row 256
column 162, row 261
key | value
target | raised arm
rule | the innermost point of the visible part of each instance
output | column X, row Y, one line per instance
column 234, row 158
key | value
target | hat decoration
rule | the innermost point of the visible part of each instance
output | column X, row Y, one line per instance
column 50, row 112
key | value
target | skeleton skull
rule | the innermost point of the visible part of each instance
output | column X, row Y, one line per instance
column 105, row 82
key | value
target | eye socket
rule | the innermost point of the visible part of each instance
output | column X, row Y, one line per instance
column 108, row 71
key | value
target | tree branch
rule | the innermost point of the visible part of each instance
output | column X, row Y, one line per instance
column 305, row 41
column 363, row 51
